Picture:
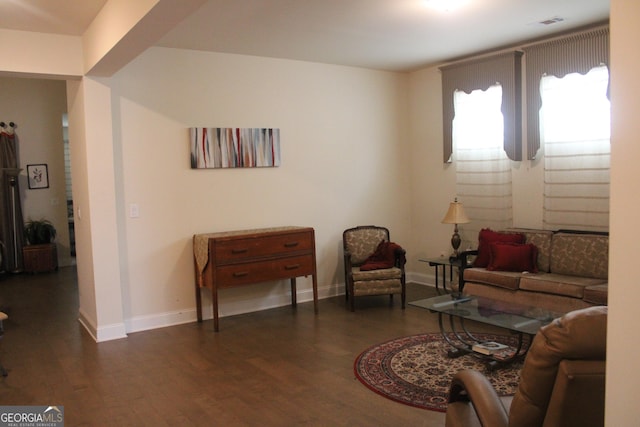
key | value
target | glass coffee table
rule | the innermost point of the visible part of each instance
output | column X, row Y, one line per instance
column 523, row 321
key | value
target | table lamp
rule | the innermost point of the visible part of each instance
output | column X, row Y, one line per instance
column 455, row 215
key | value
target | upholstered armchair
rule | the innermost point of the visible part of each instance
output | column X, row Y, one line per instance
column 562, row 381
column 373, row 265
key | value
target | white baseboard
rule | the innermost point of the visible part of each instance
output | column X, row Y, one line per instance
column 103, row 333
column 230, row 307
column 420, row 278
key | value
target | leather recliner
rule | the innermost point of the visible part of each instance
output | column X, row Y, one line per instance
column 562, row 382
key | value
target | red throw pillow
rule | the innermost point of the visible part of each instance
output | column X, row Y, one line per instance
column 513, row 257
column 488, row 236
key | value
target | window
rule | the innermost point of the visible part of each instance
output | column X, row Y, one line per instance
column 501, row 69
column 571, row 130
column 575, row 133
column 483, row 170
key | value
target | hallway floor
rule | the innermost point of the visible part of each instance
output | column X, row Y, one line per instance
column 278, row 367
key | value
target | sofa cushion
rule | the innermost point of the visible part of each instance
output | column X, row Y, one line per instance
column 558, row 284
column 488, row 236
column 585, row 255
column 542, row 240
column 596, row 294
column 557, row 303
column 502, row 279
column 513, row 257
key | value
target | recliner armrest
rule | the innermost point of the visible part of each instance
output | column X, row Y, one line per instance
column 470, row 385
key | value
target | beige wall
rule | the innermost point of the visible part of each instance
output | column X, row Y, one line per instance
column 345, row 158
column 623, row 346
column 98, row 239
column 37, row 107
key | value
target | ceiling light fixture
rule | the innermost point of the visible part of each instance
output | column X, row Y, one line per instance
column 444, row 5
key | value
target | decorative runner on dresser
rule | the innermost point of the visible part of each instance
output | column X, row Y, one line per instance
column 416, row 371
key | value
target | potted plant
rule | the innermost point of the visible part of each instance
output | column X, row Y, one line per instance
column 39, row 232
column 39, row 253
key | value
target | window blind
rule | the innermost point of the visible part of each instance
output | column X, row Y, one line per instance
column 575, row 132
column 483, row 170
column 504, row 69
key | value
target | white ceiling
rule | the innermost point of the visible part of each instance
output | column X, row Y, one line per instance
column 382, row 34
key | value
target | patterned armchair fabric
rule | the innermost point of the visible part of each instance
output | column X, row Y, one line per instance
column 359, row 243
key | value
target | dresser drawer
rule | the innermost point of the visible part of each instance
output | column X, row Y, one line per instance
column 263, row 271
column 238, row 249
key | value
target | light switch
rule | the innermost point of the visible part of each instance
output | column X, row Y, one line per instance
column 134, row 210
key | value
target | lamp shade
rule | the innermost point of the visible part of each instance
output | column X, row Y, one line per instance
column 455, row 214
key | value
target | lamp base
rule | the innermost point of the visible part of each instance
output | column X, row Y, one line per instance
column 455, row 242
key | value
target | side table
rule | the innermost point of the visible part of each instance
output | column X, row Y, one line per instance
column 443, row 262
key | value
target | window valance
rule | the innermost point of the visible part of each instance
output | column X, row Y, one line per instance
column 573, row 54
column 468, row 76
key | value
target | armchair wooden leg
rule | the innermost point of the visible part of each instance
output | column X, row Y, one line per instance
column 350, row 297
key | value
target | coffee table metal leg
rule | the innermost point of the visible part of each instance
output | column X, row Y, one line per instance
column 455, row 351
column 461, row 345
column 467, row 343
column 469, row 334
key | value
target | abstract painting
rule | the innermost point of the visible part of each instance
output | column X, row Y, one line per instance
column 213, row 148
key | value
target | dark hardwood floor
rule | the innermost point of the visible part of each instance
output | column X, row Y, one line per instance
column 278, row 367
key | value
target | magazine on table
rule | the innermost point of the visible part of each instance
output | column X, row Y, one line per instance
column 489, row 347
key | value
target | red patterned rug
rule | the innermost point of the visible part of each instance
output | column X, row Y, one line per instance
column 416, row 371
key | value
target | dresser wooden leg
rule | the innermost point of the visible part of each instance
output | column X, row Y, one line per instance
column 214, row 298
column 294, row 293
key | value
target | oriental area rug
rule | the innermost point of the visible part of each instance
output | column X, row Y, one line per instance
column 416, row 371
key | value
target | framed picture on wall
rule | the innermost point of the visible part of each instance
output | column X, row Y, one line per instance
column 38, row 176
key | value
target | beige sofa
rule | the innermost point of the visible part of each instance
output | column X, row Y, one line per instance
column 572, row 272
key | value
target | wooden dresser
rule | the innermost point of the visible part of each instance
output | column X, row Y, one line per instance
column 235, row 258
